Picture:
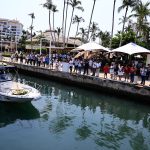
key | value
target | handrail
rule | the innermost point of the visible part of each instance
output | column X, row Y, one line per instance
column 33, row 84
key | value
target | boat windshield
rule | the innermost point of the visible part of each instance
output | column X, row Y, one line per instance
column 4, row 74
column 5, row 77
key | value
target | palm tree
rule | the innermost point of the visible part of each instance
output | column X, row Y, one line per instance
column 63, row 20
column 54, row 10
column 104, row 37
column 49, row 6
column 22, row 40
column 91, row 19
column 31, row 27
column 124, row 19
column 75, row 5
column 126, row 4
column 77, row 20
column 58, row 31
column 83, row 33
column 112, row 29
column 94, row 28
column 146, row 33
column 142, row 11
column 64, row 41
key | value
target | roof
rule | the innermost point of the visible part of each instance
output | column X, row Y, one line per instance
column 47, row 35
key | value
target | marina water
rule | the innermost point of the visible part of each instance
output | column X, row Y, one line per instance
column 69, row 118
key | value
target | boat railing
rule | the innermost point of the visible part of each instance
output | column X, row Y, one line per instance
column 33, row 84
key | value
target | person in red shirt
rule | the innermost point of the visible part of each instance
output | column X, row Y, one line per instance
column 132, row 73
column 106, row 70
column 126, row 73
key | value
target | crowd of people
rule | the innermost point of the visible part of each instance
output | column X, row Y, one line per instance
column 131, row 72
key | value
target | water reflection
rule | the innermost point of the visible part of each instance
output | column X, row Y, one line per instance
column 11, row 112
column 105, row 122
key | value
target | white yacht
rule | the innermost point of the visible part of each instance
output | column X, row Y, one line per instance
column 12, row 91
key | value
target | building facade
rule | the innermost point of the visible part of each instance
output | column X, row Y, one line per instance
column 10, row 32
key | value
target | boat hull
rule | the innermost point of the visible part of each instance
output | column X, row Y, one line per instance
column 7, row 94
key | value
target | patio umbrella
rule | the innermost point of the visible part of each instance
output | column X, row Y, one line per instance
column 92, row 46
column 131, row 48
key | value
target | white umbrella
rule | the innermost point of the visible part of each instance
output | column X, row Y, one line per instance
column 92, row 46
column 131, row 48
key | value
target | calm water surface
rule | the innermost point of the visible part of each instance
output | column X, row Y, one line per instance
column 68, row 118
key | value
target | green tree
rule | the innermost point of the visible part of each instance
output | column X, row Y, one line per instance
column 142, row 11
column 127, row 37
column 77, row 20
column 93, row 29
column 126, row 4
column 104, row 37
column 83, row 33
column 22, row 41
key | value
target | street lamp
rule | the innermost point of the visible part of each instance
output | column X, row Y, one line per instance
column 1, row 35
column 16, row 42
column 50, row 59
column 1, row 43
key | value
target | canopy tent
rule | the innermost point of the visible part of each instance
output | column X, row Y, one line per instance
column 92, row 46
column 131, row 48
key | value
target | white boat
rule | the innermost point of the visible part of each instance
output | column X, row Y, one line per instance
column 12, row 91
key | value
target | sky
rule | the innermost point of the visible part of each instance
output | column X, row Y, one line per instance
column 19, row 9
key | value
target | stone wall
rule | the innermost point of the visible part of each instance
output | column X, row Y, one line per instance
column 118, row 88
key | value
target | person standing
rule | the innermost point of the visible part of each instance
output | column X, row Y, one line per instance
column 126, row 73
column 111, row 71
column 94, row 66
column 98, row 66
column 79, row 66
column 86, row 67
column 106, row 70
column 132, row 73
column 120, row 72
column 143, row 72
column 70, row 65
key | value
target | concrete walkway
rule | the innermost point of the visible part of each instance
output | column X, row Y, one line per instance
column 101, row 75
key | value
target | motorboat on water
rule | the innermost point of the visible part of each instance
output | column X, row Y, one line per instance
column 15, row 91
